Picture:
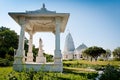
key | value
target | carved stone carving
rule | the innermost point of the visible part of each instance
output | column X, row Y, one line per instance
column 40, row 58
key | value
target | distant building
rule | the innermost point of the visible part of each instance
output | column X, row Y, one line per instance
column 69, row 49
column 78, row 51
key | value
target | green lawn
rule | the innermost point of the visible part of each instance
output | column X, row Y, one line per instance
column 114, row 63
column 6, row 73
column 88, row 64
column 73, row 70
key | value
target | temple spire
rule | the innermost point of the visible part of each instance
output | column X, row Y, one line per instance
column 43, row 5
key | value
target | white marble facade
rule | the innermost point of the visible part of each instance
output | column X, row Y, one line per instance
column 69, row 51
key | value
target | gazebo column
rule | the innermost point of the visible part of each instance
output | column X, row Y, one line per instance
column 57, row 53
column 30, row 54
column 20, row 55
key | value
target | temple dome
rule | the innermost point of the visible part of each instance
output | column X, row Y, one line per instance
column 69, row 44
column 81, row 47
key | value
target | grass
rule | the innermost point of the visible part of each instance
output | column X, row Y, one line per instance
column 94, row 64
column 114, row 63
column 73, row 70
column 82, row 70
column 6, row 73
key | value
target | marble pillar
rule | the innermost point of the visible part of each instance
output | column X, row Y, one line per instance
column 57, row 53
column 30, row 53
column 40, row 58
column 19, row 58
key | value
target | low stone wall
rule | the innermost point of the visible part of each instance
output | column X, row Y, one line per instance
column 39, row 67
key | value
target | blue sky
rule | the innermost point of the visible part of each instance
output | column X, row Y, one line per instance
column 92, row 22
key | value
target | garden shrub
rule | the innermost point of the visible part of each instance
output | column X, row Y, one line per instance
column 5, row 62
column 110, row 73
column 100, row 59
column 116, row 59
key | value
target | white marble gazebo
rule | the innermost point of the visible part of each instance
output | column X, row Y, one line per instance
column 40, row 20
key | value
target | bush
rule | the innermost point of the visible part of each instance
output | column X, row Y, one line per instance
column 5, row 62
column 116, row 59
column 110, row 73
column 100, row 59
column 49, row 58
column 31, row 75
column 71, row 60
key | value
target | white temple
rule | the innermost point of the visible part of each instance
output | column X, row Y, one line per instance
column 69, row 49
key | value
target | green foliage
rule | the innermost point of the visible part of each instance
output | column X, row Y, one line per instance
column 100, row 59
column 116, row 52
column 94, row 52
column 106, row 55
column 35, row 52
column 5, row 62
column 3, row 51
column 68, row 74
column 9, row 57
column 8, row 74
column 9, row 38
column 110, row 73
column 80, row 65
column 8, row 41
column 5, row 71
column 3, row 29
column 98, row 65
column 81, row 72
column 49, row 58
column 116, row 59
column 76, row 70
column 10, row 54
column 26, row 45
column 8, row 45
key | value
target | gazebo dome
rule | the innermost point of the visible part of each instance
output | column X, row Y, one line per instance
column 81, row 47
column 69, row 44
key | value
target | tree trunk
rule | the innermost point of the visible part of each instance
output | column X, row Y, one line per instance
column 91, row 59
column 95, row 58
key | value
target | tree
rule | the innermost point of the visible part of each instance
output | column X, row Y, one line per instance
column 116, row 53
column 10, row 54
column 26, row 46
column 107, row 54
column 94, row 52
column 3, row 29
column 8, row 38
column 8, row 44
column 35, row 52
column 49, row 58
column 85, row 56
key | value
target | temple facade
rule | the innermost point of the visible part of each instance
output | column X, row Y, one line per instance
column 70, row 52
